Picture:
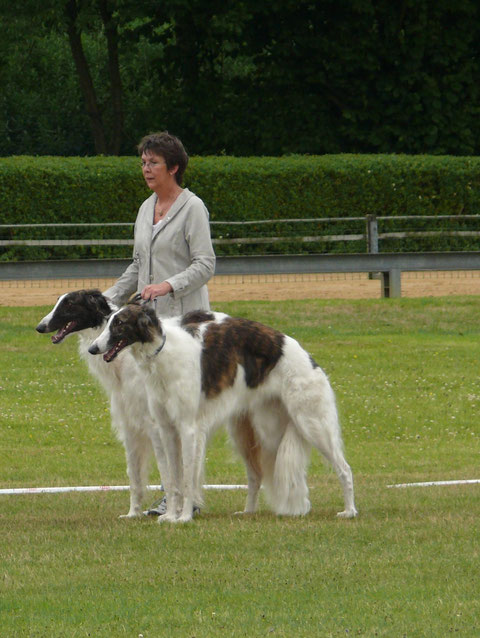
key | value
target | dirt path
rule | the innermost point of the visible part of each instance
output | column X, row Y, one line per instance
column 266, row 287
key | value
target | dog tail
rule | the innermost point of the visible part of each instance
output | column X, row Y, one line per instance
column 285, row 480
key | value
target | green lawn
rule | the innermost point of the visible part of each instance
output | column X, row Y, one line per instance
column 406, row 377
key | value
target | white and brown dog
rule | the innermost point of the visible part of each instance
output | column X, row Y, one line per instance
column 206, row 369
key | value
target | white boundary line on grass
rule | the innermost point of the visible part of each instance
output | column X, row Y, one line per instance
column 101, row 488
column 123, row 488
column 434, row 483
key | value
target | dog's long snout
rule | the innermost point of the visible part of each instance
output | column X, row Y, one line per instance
column 41, row 327
column 94, row 349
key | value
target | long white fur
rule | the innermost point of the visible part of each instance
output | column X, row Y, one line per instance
column 124, row 385
column 292, row 410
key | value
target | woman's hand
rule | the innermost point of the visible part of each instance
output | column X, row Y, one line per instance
column 156, row 290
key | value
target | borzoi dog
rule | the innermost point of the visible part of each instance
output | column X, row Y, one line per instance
column 205, row 369
column 85, row 312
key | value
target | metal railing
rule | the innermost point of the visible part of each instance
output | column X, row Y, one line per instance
column 389, row 266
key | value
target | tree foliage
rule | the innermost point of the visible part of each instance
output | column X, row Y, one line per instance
column 243, row 77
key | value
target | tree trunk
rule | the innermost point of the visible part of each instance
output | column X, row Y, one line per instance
column 116, row 90
column 85, row 79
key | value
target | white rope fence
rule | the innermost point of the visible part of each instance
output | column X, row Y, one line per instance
column 124, row 488
column 436, row 483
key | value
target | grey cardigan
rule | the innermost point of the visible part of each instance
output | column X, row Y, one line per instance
column 181, row 253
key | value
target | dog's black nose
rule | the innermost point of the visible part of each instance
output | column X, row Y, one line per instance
column 40, row 328
column 93, row 349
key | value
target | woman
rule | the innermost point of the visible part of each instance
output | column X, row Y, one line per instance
column 173, row 256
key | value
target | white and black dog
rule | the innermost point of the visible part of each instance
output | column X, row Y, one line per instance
column 206, row 369
column 85, row 312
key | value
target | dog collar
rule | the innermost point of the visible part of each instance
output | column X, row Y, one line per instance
column 160, row 346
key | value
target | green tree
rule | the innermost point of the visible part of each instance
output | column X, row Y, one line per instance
column 92, row 30
column 241, row 77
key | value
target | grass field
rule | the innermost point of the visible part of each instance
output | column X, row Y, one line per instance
column 406, row 377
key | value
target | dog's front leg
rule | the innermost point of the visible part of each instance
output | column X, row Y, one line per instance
column 166, row 444
column 189, row 459
column 158, row 449
column 137, row 452
column 174, row 477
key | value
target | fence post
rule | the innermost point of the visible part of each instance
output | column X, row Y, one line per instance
column 372, row 241
column 391, row 283
column 372, row 234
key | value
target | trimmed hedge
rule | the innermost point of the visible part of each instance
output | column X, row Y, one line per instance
column 107, row 189
column 336, row 185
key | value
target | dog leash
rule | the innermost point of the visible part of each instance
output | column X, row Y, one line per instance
column 164, row 335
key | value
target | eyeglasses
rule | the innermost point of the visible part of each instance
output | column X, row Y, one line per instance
column 151, row 164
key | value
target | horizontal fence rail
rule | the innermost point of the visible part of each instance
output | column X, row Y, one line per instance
column 370, row 234
column 247, row 240
column 389, row 265
column 219, row 241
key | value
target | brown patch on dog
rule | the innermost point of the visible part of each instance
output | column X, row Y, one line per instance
column 236, row 342
column 197, row 316
column 191, row 321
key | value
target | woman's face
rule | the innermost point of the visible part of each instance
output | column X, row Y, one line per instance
column 155, row 171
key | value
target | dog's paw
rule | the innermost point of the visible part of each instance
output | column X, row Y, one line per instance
column 184, row 518
column 167, row 518
column 352, row 513
column 132, row 515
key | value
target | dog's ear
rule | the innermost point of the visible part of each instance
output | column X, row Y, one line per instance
column 136, row 299
column 151, row 314
column 99, row 302
column 148, row 324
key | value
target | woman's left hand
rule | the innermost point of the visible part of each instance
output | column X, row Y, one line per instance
column 156, row 290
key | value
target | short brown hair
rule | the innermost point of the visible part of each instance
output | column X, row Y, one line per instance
column 169, row 147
